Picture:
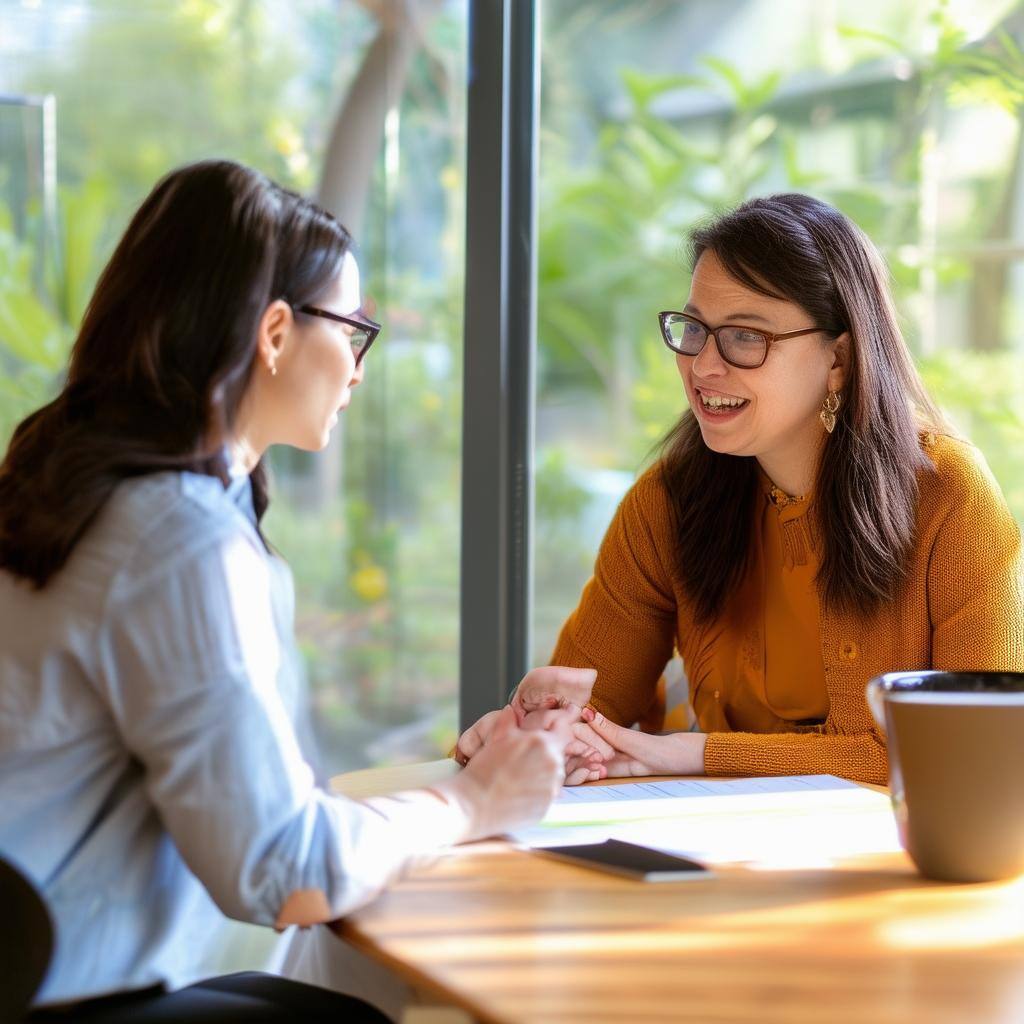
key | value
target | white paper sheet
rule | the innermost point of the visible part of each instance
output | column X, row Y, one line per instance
column 783, row 822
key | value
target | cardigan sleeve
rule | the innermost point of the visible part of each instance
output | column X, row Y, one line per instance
column 625, row 623
column 859, row 756
column 976, row 575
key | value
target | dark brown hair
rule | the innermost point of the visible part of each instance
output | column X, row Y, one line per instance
column 800, row 249
column 164, row 354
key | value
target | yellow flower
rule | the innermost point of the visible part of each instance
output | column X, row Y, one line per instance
column 451, row 179
column 284, row 137
column 370, row 583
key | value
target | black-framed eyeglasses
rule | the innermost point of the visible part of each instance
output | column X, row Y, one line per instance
column 361, row 330
column 740, row 346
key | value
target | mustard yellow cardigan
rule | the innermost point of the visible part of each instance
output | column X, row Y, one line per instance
column 961, row 607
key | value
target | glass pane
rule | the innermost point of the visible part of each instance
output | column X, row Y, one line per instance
column 27, row 251
column 371, row 526
column 904, row 115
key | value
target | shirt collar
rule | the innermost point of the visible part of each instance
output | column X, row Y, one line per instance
column 239, row 486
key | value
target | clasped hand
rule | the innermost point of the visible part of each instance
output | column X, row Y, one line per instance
column 599, row 748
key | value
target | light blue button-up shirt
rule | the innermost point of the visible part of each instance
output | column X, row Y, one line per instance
column 149, row 769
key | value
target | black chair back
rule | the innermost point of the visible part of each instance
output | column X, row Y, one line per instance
column 26, row 941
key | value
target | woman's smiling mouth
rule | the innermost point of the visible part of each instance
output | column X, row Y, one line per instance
column 717, row 405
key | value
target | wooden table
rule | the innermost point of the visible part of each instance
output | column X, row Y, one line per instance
column 512, row 937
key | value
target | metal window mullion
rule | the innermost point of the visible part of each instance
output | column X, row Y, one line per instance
column 500, row 315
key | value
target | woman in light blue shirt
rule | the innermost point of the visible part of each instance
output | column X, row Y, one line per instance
column 149, row 769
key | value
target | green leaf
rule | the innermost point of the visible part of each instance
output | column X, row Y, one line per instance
column 762, row 90
column 759, row 131
column 868, row 35
column 796, row 176
column 30, row 331
column 1010, row 47
column 87, row 212
column 644, row 88
column 746, row 96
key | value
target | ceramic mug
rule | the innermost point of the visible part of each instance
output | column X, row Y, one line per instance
column 956, row 769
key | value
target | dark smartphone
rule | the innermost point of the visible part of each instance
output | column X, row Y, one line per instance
column 639, row 862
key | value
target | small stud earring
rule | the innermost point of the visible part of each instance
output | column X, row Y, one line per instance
column 829, row 408
column 273, row 370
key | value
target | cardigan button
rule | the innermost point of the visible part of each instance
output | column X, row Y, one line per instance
column 849, row 651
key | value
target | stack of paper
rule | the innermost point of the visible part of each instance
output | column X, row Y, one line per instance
column 784, row 822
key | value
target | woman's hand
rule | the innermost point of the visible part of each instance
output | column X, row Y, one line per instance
column 543, row 689
column 554, row 686
column 637, row 753
column 512, row 780
column 584, row 746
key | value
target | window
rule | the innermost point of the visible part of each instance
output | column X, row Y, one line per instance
column 371, row 526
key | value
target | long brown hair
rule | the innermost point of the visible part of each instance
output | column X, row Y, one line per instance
column 803, row 250
column 164, row 354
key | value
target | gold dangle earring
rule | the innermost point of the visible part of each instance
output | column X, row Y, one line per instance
column 829, row 408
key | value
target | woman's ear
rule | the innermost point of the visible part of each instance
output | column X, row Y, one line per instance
column 273, row 333
column 839, row 371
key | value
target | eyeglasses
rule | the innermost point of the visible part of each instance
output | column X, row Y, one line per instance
column 744, row 347
column 360, row 329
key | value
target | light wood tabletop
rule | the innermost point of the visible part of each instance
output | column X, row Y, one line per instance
column 511, row 936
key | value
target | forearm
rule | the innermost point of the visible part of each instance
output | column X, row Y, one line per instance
column 633, row 753
column 861, row 757
column 370, row 844
column 684, row 753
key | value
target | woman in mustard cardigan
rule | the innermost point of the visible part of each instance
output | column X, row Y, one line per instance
column 810, row 524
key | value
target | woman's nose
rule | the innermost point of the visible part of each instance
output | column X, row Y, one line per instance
column 357, row 375
column 708, row 362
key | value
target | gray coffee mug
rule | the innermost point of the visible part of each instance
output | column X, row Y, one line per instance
column 956, row 769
